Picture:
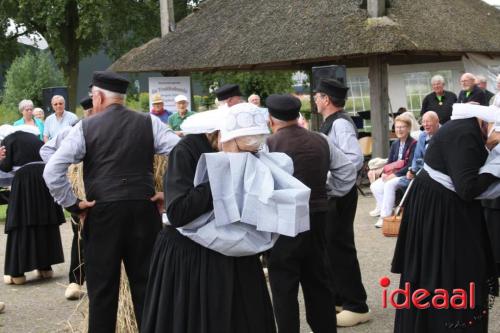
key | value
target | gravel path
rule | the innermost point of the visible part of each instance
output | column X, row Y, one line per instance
column 40, row 306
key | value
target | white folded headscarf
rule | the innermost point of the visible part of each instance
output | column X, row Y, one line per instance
column 6, row 130
column 490, row 114
column 204, row 122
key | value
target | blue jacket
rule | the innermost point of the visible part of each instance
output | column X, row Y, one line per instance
column 393, row 154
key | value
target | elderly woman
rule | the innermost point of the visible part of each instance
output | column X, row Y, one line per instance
column 39, row 114
column 33, row 218
column 443, row 245
column 192, row 288
column 26, row 109
column 400, row 156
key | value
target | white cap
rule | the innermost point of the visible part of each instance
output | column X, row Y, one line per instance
column 243, row 119
column 204, row 122
column 6, row 130
column 489, row 114
column 180, row 98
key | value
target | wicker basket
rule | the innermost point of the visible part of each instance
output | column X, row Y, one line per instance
column 391, row 225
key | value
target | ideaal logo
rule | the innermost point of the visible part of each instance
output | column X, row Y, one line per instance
column 424, row 299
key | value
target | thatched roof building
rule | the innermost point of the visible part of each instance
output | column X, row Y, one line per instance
column 297, row 34
column 249, row 34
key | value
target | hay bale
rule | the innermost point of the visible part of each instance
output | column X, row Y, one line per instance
column 125, row 319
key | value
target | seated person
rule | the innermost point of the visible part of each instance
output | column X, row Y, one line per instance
column 400, row 156
column 430, row 122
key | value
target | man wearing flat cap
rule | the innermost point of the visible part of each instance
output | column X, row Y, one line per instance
column 330, row 98
column 121, row 214
column 229, row 94
column 301, row 259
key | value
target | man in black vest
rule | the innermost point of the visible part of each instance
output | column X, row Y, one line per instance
column 470, row 91
column 350, row 293
column 302, row 259
column 121, row 215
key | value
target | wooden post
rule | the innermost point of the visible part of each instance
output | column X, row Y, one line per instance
column 316, row 118
column 379, row 100
column 167, row 19
column 376, row 8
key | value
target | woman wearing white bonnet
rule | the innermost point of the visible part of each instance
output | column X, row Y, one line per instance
column 443, row 241
column 192, row 288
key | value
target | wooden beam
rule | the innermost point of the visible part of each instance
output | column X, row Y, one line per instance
column 167, row 20
column 379, row 100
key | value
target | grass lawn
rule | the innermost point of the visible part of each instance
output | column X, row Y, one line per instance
column 3, row 213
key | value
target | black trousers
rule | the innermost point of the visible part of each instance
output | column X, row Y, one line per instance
column 301, row 260
column 116, row 231
column 76, row 267
column 346, row 283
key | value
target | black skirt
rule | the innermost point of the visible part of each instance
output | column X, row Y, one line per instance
column 192, row 289
column 32, row 228
column 443, row 243
column 492, row 216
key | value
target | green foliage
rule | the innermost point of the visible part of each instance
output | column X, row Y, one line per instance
column 144, row 101
column 8, row 114
column 27, row 76
column 262, row 83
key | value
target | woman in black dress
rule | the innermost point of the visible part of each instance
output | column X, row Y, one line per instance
column 443, row 241
column 192, row 289
column 33, row 218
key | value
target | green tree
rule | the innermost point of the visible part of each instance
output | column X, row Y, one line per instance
column 28, row 75
column 75, row 29
column 262, row 83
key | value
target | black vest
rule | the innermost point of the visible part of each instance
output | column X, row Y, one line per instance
column 310, row 154
column 326, row 127
column 118, row 164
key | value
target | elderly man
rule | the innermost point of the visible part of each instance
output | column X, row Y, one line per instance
column 121, row 214
column 59, row 119
column 76, row 268
column 330, row 98
column 229, row 95
column 430, row 123
column 158, row 109
column 254, row 99
column 470, row 92
column 175, row 120
column 302, row 259
column 482, row 83
column 439, row 100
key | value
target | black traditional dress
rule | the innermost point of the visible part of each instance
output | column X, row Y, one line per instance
column 443, row 241
column 492, row 215
column 192, row 289
column 33, row 218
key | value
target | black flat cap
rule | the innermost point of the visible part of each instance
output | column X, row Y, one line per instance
column 283, row 107
column 86, row 103
column 227, row 91
column 332, row 88
column 110, row 81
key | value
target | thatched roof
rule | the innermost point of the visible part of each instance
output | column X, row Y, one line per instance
column 248, row 34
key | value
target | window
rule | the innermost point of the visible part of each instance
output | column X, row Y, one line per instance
column 358, row 95
column 418, row 85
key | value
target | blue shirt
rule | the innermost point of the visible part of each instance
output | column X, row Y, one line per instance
column 38, row 124
column 418, row 157
column 54, row 125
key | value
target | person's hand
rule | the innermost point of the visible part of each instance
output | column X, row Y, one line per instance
column 493, row 140
column 3, row 152
column 409, row 175
column 84, row 205
column 386, row 177
column 159, row 199
column 179, row 133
